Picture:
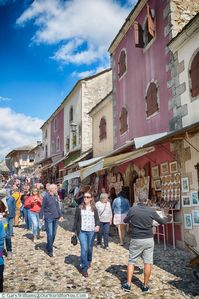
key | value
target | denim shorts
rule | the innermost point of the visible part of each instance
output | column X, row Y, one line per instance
column 141, row 248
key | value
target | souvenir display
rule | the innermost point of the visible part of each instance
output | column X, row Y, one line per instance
column 170, row 191
column 116, row 181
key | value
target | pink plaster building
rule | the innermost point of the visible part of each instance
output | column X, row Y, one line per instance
column 57, row 133
column 141, row 65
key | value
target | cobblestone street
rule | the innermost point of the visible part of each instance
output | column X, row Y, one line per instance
column 31, row 270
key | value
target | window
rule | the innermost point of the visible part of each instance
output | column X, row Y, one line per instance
column 31, row 158
column 144, row 36
column 80, row 133
column 53, row 147
column 151, row 99
column 46, row 151
column 46, row 133
column 24, row 157
column 102, row 129
column 67, row 144
column 122, row 64
column 194, row 76
column 74, row 139
column 58, row 144
column 123, row 121
column 71, row 114
column 55, row 124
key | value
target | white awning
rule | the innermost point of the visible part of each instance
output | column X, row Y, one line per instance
column 89, row 162
column 141, row 141
column 72, row 175
column 113, row 161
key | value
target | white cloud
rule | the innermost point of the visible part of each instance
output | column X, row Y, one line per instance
column 83, row 30
column 3, row 99
column 17, row 130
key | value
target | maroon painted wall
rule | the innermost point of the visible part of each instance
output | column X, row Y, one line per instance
column 143, row 66
column 58, row 132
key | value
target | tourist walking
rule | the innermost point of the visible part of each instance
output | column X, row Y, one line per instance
column 105, row 216
column 26, row 210
column 86, row 224
column 120, row 209
column 17, row 197
column 11, row 203
column 50, row 214
column 4, row 212
column 141, row 217
column 34, row 202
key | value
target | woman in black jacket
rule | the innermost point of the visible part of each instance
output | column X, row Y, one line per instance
column 86, row 224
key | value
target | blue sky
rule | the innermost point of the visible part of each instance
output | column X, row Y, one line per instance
column 46, row 46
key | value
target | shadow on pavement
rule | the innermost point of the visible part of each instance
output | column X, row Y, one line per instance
column 29, row 236
column 175, row 261
column 73, row 260
column 120, row 271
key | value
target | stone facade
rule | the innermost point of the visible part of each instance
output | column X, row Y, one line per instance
column 93, row 91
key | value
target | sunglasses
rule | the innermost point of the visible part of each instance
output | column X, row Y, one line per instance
column 87, row 196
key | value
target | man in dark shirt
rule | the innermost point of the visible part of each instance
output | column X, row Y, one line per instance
column 51, row 213
column 141, row 217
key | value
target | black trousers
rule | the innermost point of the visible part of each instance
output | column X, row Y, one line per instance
column 1, row 277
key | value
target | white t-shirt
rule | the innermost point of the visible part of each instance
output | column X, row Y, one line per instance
column 87, row 220
column 104, row 211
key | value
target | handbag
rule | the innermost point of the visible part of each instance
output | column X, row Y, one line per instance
column 74, row 240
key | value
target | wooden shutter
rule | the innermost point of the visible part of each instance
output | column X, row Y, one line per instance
column 123, row 120
column 102, row 129
column 122, row 63
column 138, row 33
column 150, row 21
column 151, row 99
column 194, row 75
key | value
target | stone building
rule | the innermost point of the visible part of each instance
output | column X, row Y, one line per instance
column 185, row 105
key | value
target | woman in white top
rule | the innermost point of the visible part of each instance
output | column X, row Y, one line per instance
column 105, row 215
column 86, row 224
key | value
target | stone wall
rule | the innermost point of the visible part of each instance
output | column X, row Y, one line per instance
column 93, row 91
column 181, row 12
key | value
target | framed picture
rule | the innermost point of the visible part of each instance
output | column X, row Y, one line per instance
column 157, row 184
column 194, row 198
column 195, row 217
column 155, row 171
column 185, row 184
column 164, row 168
column 187, row 221
column 173, row 167
column 186, row 201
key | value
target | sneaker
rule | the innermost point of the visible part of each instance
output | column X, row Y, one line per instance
column 9, row 255
column 50, row 254
column 85, row 274
column 145, row 289
column 106, row 248
column 126, row 287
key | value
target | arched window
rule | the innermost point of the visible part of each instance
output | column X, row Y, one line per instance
column 123, row 120
column 151, row 99
column 102, row 129
column 71, row 114
column 194, row 76
column 58, row 144
column 122, row 63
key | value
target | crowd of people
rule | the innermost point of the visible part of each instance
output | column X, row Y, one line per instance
column 40, row 207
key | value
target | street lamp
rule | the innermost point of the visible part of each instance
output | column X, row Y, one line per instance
column 73, row 127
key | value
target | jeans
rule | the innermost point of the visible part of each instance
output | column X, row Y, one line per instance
column 86, row 240
column 51, row 229
column 27, row 218
column 1, row 277
column 10, row 225
column 35, row 223
column 104, row 231
column 9, row 233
